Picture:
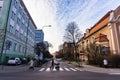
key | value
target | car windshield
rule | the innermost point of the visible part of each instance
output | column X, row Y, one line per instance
column 12, row 58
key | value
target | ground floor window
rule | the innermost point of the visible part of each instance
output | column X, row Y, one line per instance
column 105, row 50
column 15, row 47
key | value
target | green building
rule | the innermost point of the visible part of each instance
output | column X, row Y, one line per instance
column 17, row 30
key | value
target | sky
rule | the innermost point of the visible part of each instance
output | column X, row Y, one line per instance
column 58, row 13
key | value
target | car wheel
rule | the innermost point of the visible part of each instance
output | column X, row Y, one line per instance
column 16, row 63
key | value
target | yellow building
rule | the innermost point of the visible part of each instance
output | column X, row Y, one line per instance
column 105, row 34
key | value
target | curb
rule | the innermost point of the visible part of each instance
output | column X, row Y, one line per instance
column 96, row 69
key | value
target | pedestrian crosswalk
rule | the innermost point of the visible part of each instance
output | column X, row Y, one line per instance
column 114, row 73
column 60, row 69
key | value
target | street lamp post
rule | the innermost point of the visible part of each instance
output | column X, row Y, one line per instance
column 46, row 26
column 40, row 52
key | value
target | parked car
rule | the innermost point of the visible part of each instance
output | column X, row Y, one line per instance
column 14, row 61
column 46, row 59
column 23, row 60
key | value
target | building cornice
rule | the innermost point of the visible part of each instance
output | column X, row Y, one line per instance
column 26, row 10
column 96, row 31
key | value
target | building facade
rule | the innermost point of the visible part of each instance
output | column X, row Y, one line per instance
column 39, row 36
column 17, row 30
column 1, row 6
column 105, row 34
column 114, row 26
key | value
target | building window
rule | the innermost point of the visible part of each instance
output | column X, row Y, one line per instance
column 83, row 45
column 0, row 9
column 16, row 33
column 97, row 50
column 13, row 16
column 20, row 35
column 18, row 21
column 105, row 50
column 11, row 28
column 22, row 24
column 19, row 48
column 23, row 50
column 119, row 19
column 20, row 9
column 93, row 40
column 87, row 43
column 15, row 47
column 15, row 3
column 24, row 16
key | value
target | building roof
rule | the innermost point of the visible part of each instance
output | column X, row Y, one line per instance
column 100, row 24
column 101, row 38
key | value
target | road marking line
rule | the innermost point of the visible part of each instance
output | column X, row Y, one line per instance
column 67, row 69
column 42, row 69
column 114, row 73
column 73, row 69
column 78, row 69
column 61, row 69
column 48, row 69
column 54, row 69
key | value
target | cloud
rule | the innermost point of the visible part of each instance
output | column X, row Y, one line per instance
column 59, row 13
column 43, row 13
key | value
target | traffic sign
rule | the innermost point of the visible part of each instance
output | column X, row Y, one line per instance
column 81, row 53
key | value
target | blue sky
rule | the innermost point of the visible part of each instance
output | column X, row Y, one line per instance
column 59, row 13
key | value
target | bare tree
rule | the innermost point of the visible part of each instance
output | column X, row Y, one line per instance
column 72, row 35
column 50, row 45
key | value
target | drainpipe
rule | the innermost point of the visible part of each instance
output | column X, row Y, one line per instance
column 26, row 39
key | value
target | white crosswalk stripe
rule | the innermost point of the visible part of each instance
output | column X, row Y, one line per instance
column 61, row 69
column 114, row 73
column 54, row 69
column 78, row 69
column 67, row 69
column 42, row 69
column 48, row 69
column 73, row 69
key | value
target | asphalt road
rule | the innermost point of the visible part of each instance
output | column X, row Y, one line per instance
column 66, row 72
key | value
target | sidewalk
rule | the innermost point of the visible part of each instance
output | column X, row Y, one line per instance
column 18, row 68
column 100, row 69
column 90, row 68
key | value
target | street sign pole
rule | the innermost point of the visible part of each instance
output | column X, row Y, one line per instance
column 81, row 56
